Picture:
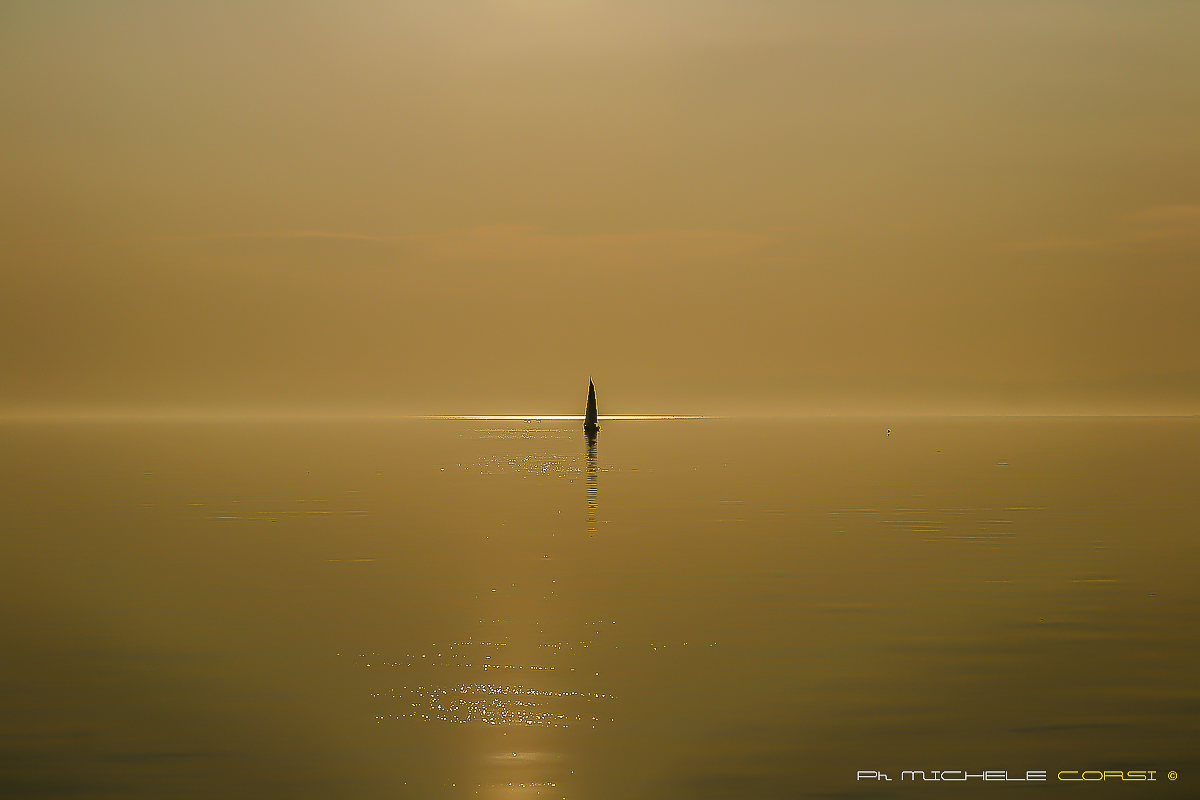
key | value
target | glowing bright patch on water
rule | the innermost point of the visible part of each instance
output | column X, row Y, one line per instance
column 558, row 417
column 493, row 704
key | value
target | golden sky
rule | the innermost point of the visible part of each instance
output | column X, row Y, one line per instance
column 473, row 207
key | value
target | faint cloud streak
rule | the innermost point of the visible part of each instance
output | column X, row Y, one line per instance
column 510, row 243
column 1161, row 227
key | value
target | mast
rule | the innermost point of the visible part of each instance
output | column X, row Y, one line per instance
column 590, row 420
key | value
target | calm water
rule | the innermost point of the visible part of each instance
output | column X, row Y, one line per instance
column 696, row 609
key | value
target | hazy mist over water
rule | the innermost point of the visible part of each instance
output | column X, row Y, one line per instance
column 926, row 206
column 688, row 608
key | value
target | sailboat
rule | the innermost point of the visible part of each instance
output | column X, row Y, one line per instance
column 591, row 422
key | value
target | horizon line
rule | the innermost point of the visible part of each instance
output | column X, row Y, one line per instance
column 298, row 415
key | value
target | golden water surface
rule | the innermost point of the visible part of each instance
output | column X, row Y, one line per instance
column 685, row 608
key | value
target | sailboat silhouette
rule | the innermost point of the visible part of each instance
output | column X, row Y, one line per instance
column 590, row 420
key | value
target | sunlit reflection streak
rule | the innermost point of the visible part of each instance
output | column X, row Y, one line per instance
column 561, row 417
